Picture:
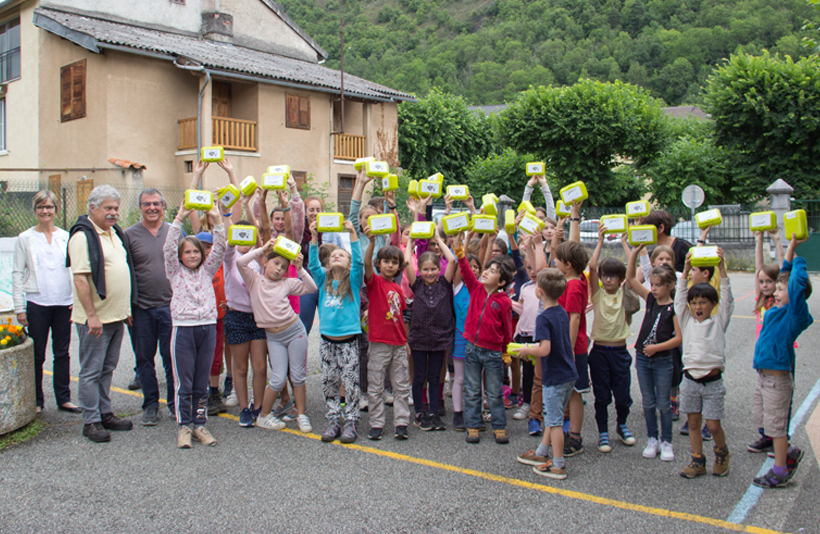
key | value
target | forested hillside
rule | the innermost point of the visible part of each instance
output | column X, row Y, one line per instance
column 488, row 51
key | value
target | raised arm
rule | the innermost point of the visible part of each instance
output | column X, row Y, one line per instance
column 265, row 231
column 636, row 286
column 545, row 189
column 305, row 283
column 682, row 300
column 368, row 256
column 450, row 271
column 214, row 259
column 297, row 212
column 169, row 249
column 408, row 262
column 593, row 262
column 575, row 222
column 236, row 214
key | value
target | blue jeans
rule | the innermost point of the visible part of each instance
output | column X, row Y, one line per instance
column 655, row 379
column 152, row 327
column 307, row 309
column 476, row 360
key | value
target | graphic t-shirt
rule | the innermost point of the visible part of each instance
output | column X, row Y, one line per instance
column 385, row 322
column 574, row 300
column 658, row 325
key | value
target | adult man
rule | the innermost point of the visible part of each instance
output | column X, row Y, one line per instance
column 152, row 313
column 103, row 279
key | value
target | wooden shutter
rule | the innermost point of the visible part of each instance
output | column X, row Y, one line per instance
column 297, row 112
column 72, row 91
column 300, row 177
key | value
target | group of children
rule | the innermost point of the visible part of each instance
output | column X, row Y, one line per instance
column 398, row 313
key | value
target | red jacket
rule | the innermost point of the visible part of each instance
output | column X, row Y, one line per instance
column 489, row 317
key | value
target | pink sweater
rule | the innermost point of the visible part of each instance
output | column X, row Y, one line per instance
column 194, row 302
column 271, row 307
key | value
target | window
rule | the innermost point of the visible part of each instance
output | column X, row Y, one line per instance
column 297, row 112
column 72, row 91
column 10, row 50
column 300, row 177
column 346, row 182
column 189, row 166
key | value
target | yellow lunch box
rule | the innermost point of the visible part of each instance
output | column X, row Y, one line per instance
column 438, row 177
column 490, row 204
column 574, row 192
column 212, row 154
column 279, row 169
column 639, row 208
column 199, row 200
column 430, row 188
column 614, row 224
column 708, row 218
column 241, row 235
column 458, row 192
column 644, row 234
column 484, row 224
column 762, row 221
column 530, row 224
column 376, row 169
column 275, row 182
column 527, row 206
column 456, row 223
column 381, row 224
column 509, row 222
column 330, row 222
column 390, row 183
column 704, row 256
column 422, row 230
column 248, row 186
column 796, row 225
column 561, row 209
column 359, row 163
column 228, row 195
column 535, row 168
column 413, row 189
column 287, row 248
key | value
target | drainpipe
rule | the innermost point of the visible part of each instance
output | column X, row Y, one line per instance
column 198, row 68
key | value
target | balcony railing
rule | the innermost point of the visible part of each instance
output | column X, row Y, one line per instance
column 348, row 146
column 234, row 134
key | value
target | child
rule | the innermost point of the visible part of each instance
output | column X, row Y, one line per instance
column 488, row 330
column 432, row 327
column 571, row 259
column 774, row 362
column 702, row 391
column 659, row 335
column 609, row 360
column 557, row 361
column 387, row 338
column 461, row 304
column 340, row 283
column 765, row 285
column 193, row 313
column 286, row 335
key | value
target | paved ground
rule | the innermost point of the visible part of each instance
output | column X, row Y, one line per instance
column 257, row 480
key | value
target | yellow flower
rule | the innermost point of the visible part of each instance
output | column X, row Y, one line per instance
column 4, row 342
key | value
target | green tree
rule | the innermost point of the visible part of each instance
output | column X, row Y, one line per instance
column 501, row 173
column 439, row 133
column 767, row 118
column 587, row 130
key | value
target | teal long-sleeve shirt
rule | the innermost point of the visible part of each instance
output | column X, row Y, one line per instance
column 338, row 314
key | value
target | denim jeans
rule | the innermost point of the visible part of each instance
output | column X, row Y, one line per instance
column 307, row 309
column 152, row 326
column 476, row 360
column 427, row 366
column 655, row 379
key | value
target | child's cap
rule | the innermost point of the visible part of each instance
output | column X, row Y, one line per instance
column 205, row 237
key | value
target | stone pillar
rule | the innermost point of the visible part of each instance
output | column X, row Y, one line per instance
column 780, row 201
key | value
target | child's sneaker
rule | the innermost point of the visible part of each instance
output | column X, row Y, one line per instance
column 458, row 422
column 572, row 445
column 550, row 471
column 721, row 467
column 231, row 400
column 534, row 427
column 667, row 454
column 522, row 412
column 510, row 402
column 184, row 438
column 215, row 405
column 764, row 444
column 771, row 480
column 626, row 436
column 696, row 467
column 332, row 432
column 705, row 434
column 287, row 412
column 675, row 410
column 202, row 435
column 437, row 423
column 349, row 434
column 255, row 412
column 603, row 442
column 375, row 434
column 401, row 433
column 651, row 449
column 472, row 435
column 501, row 436
column 793, row 458
column 363, row 405
column 530, row 458
column 684, row 430
column 304, row 424
column 246, row 418
column 271, row 422
column 422, row 421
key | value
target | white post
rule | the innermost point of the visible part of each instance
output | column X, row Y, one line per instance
column 780, row 201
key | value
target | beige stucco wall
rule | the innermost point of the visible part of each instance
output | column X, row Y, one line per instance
column 186, row 17
column 256, row 26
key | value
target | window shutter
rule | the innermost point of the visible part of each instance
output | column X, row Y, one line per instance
column 304, row 112
column 292, row 111
column 65, row 92
column 298, row 112
column 72, row 91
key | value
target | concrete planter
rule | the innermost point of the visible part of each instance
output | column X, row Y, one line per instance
column 18, row 406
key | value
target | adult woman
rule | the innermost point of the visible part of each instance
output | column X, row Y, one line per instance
column 307, row 303
column 40, row 272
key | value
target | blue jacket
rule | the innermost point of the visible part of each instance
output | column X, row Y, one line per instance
column 774, row 349
column 339, row 315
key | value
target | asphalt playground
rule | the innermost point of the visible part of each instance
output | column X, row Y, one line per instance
column 257, row 480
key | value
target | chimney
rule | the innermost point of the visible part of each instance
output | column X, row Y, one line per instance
column 217, row 26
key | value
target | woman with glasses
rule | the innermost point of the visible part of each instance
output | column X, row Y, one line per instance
column 41, row 274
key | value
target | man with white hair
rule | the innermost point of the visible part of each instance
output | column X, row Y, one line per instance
column 103, row 284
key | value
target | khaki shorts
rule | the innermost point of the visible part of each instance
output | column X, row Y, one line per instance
column 772, row 398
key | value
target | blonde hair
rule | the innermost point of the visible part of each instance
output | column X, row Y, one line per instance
column 659, row 250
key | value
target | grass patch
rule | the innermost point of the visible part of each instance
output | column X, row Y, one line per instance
column 22, row 435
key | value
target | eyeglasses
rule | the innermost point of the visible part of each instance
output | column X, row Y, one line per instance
column 45, row 207
column 610, row 277
column 151, row 204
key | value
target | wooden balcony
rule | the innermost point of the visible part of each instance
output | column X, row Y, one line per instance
column 348, row 146
column 232, row 134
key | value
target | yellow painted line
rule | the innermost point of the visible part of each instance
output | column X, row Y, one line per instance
column 743, row 317
column 577, row 495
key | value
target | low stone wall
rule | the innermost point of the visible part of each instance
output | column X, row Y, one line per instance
column 17, row 396
column 739, row 256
